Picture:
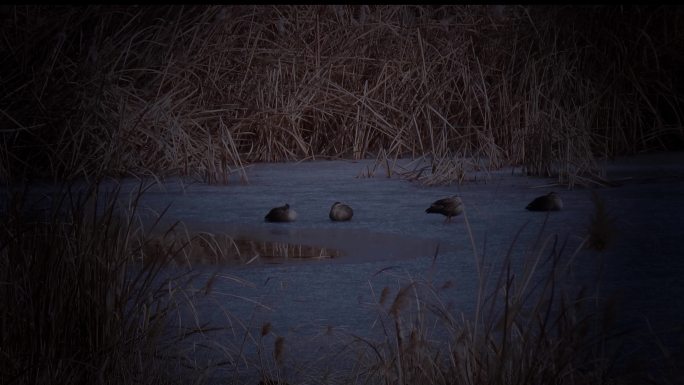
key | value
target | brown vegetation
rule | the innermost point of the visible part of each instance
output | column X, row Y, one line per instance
column 529, row 326
column 204, row 90
column 222, row 249
column 601, row 228
column 76, row 306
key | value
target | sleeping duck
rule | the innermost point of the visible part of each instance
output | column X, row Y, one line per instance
column 548, row 202
column 340, row 212
column 281, row 214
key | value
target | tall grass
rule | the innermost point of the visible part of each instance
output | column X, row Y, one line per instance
column 78, row 305
column 204, row 90
column 93, row 291
column 532, row 323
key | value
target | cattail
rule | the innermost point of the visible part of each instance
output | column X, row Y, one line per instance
column 384, row 294
column 602, row 226
column 414, row 340
column 265, row 329
column 278, row 349
column 400, row 301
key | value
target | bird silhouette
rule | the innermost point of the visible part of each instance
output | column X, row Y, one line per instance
column 449, row 207
column 340, row 212
column 548, row 202
column 281, row 214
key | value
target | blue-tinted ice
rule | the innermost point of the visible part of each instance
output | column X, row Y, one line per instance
column 391, row 240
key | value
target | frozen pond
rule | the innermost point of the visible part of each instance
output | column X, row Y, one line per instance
column 391, row 240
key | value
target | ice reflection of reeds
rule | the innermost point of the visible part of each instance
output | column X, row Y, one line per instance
column 218, row 249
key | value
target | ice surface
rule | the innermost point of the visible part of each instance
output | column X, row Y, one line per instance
column 391, row 240
column 390, row 230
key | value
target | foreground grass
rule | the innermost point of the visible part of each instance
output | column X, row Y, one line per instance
column 528, row 327
column 534, row 322
column 204, row 90
column 77, row 304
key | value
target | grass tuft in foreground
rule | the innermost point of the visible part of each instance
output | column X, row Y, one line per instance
column 532, row 324
column 77, row 305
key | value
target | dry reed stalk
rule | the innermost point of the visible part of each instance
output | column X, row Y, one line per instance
column 530, row 326
column 95, row 313
column 601, row 228
column 206, row 90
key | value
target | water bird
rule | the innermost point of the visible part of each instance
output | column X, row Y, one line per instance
column 449, row 207
column 281, row 214
column 340, row 212
column 548, row 202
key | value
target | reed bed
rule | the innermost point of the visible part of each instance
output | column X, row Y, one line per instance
column 533, row 323
column 205, row 90
column 206, row 248
column 81, row 300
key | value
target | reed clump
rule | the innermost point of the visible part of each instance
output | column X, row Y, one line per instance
column 205, row 90
column 206, row 248
column 76, row 303
column 532, row 323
